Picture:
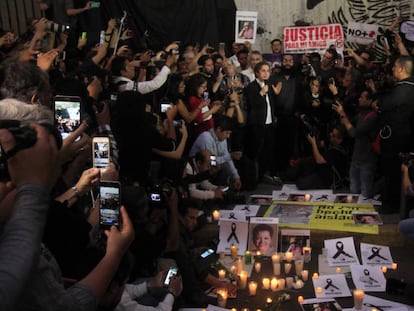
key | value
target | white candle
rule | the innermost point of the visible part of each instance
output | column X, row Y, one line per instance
column 306, row 253
column 289, row 282
column 298, row 266
column 257, row 267
column 305, row 275
column 252, row 288
column 273, row 284
column 289, row 256
column 276, row 268
column 338, row 270
column 239, row 265
column 384, row 269
column 315, row 275
column 358, row 298
column 319, row 290
column 216, row 215
column 298, row 284
column 266, row 283
column 394, row 266
column 275, row 258
column 288, row 266
column 307, row 197
column 222, row 297
column 300, row 299
column 243, row 279
column 222, row 274
column 281, row 283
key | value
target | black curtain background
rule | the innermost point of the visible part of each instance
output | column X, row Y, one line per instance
column 188, row 21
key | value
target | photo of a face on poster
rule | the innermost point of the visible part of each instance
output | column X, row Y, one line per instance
column 246, row 26
column 263, row 235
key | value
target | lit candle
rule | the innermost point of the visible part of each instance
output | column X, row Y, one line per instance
column 307, row 197
column 233, row 309
column 358, row 298
column 319, row 290
column 315, row 275
column 252, row 288
column 288, row 266
column 257, row 267
column 298, row 266
column 299, row 284
column 289, row 282
column 248, row 258
column 276, row 268
column 216, row 215
column 384, row 269
column 306, row 253
column 221, row 255
column 233, row 269
column 239, row 265
column 243, row 279
column 269, row 300
column 233, row 251
column 222, row 274
column 305, row 275
column 281, row 283
column 222, row 297
column 289, row 256
column 275, row 258
column 258, row 254
column 349, row 198
column 300, row 299
column 273, row 284
column 338, row 270
column 394, row 266
column 266, row 283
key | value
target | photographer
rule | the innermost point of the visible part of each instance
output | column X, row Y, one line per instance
column 363, row 128
column 406, row 226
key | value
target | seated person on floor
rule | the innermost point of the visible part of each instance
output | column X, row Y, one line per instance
column 216, row 141
column 202, row 188
column 327, row 165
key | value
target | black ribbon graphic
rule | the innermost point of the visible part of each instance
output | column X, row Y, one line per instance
column 340, row 248
column 231, row 216
column 233, row 233
column 375, row 253
column 246, row 208
column 330, row 284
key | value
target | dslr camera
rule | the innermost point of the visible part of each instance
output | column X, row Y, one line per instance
column 25, row 137
column 406, row 158
column 311, row 125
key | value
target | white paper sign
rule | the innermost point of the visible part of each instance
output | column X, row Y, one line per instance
column 232, row 215
column 332, row 285
column 248, row 209
column 246, row 26
column 376, row 255
column 371, row 302
column 341, row 252
column 233, row 232
column 361, row 33
column 368, row 278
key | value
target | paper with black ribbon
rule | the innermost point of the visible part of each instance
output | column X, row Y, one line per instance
column 376, row 255
column 368, row 278
column 341, row 252
column 331, row 285
column 233, row 232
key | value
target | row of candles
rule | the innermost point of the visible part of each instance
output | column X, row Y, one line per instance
column 276, row 257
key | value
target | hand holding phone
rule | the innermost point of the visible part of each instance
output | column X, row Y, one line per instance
column 101, row 152
column 173, row 271
column 109, row 204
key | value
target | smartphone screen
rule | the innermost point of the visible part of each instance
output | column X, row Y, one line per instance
column 213, row 161
column 170, row 274
column 165, row 106
column 207, row 253
column 109, row 204
column 101, row 152
column 67, row 114
column 95, row 5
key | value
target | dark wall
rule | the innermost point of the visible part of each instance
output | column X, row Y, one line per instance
column 188, row 21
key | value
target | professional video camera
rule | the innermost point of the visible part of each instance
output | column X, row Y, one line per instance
column 406, row 158
column 25, row 137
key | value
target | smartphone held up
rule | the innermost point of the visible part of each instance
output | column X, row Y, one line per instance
column 109, row 204
column 101, row 152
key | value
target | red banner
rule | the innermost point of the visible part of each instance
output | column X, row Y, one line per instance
column 307, row 39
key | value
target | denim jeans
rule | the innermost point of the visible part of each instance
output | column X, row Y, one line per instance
column 362, row 178
column 406, row 226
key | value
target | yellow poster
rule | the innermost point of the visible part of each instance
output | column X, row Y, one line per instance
column 321, row 215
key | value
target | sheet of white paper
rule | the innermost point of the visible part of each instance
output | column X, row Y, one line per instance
column 332, row 285
column 376, row 255
column 368, row 278
column 341, row 252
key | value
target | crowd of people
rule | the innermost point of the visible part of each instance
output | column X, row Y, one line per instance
column 229, row 121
